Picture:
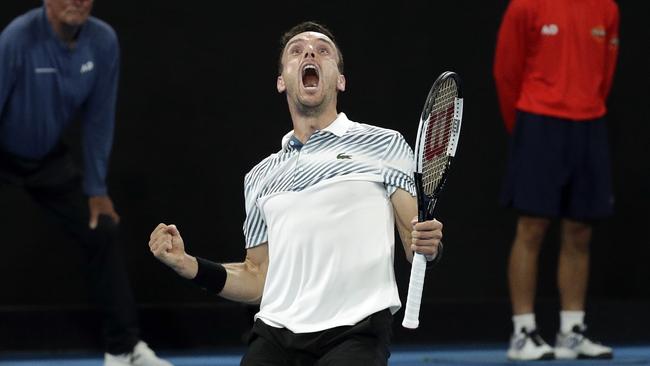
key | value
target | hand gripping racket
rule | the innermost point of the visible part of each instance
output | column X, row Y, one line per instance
column 435, row 147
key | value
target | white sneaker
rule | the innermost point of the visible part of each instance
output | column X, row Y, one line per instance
column 141, row 355
column 529, row 346
column 575, row 344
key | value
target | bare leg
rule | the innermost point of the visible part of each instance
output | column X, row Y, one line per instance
column 522, row 268
column 573, row 264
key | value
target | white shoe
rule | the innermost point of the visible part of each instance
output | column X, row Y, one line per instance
column 529, row 346
column 141, row 355
column 575, row 344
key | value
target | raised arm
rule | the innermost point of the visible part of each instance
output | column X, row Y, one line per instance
column 242, row 282
column 421, row 237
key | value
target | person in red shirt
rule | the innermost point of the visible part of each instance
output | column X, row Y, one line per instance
column 553, row 69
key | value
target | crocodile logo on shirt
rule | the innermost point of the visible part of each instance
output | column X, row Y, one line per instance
column 343, row 156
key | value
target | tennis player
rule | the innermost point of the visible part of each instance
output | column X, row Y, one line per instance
column 320, row 224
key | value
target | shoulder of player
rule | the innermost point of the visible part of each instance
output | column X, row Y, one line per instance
column 379, row 134
column 368, row 129
column 101, row 32
column 612, row 6
column 260, row 167
column 21, row 29
column 523, row 8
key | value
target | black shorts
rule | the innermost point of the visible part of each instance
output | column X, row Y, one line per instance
column 365, row 343
column 559, row 168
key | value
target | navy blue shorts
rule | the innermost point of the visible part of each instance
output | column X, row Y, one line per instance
column 559, row 168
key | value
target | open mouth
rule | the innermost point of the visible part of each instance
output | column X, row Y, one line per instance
column 310, row 76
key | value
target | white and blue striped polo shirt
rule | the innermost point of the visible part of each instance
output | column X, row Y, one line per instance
column 324, row 209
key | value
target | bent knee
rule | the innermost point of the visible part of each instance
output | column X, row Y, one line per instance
column 532, row 229
column 576, row 228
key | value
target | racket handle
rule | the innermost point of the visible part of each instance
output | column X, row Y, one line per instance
column 414, row 297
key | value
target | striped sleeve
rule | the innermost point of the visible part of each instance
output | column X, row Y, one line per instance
column 398, row 165
column 255, row 231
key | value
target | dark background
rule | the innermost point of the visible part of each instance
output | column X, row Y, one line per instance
column 198, row 108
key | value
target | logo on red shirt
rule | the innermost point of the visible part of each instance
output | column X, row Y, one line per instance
column 598, row 33
column 550, row 29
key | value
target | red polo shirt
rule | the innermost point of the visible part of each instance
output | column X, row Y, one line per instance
column 556, row 58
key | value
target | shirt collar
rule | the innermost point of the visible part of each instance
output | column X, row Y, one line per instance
column 47, row 27
column 338, row 127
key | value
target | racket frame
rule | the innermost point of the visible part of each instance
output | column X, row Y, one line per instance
column 426, row 203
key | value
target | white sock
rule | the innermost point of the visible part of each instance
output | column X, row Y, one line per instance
column 569, row 319
column 524, row 321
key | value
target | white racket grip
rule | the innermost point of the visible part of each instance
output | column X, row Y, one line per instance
column 414, row 296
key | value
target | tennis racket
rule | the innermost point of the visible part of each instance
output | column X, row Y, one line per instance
column 435, row 147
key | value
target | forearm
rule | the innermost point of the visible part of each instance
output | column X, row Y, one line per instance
column 187, row 267
column 405, row 236
column 97, row 140
column 244, row 282
column 405, row 208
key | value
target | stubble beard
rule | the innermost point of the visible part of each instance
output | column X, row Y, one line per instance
column 309, row 110
column 312, row 110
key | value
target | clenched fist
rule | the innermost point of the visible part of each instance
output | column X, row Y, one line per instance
column 166, row 244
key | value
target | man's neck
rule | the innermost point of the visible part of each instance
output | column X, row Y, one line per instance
column 305, row 126
column 66, row 33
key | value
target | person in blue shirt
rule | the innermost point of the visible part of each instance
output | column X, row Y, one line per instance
column 60, row 65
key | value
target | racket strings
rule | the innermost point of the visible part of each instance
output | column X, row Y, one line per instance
column 438, row 135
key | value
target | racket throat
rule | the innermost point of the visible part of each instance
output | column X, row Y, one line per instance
column 426, row 203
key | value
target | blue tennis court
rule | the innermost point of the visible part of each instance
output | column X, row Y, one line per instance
column 411, row 356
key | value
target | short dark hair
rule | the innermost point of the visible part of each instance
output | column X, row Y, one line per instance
column 308, row 26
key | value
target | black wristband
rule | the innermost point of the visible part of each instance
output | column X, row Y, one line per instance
column 210, row 276
column 437, row 258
